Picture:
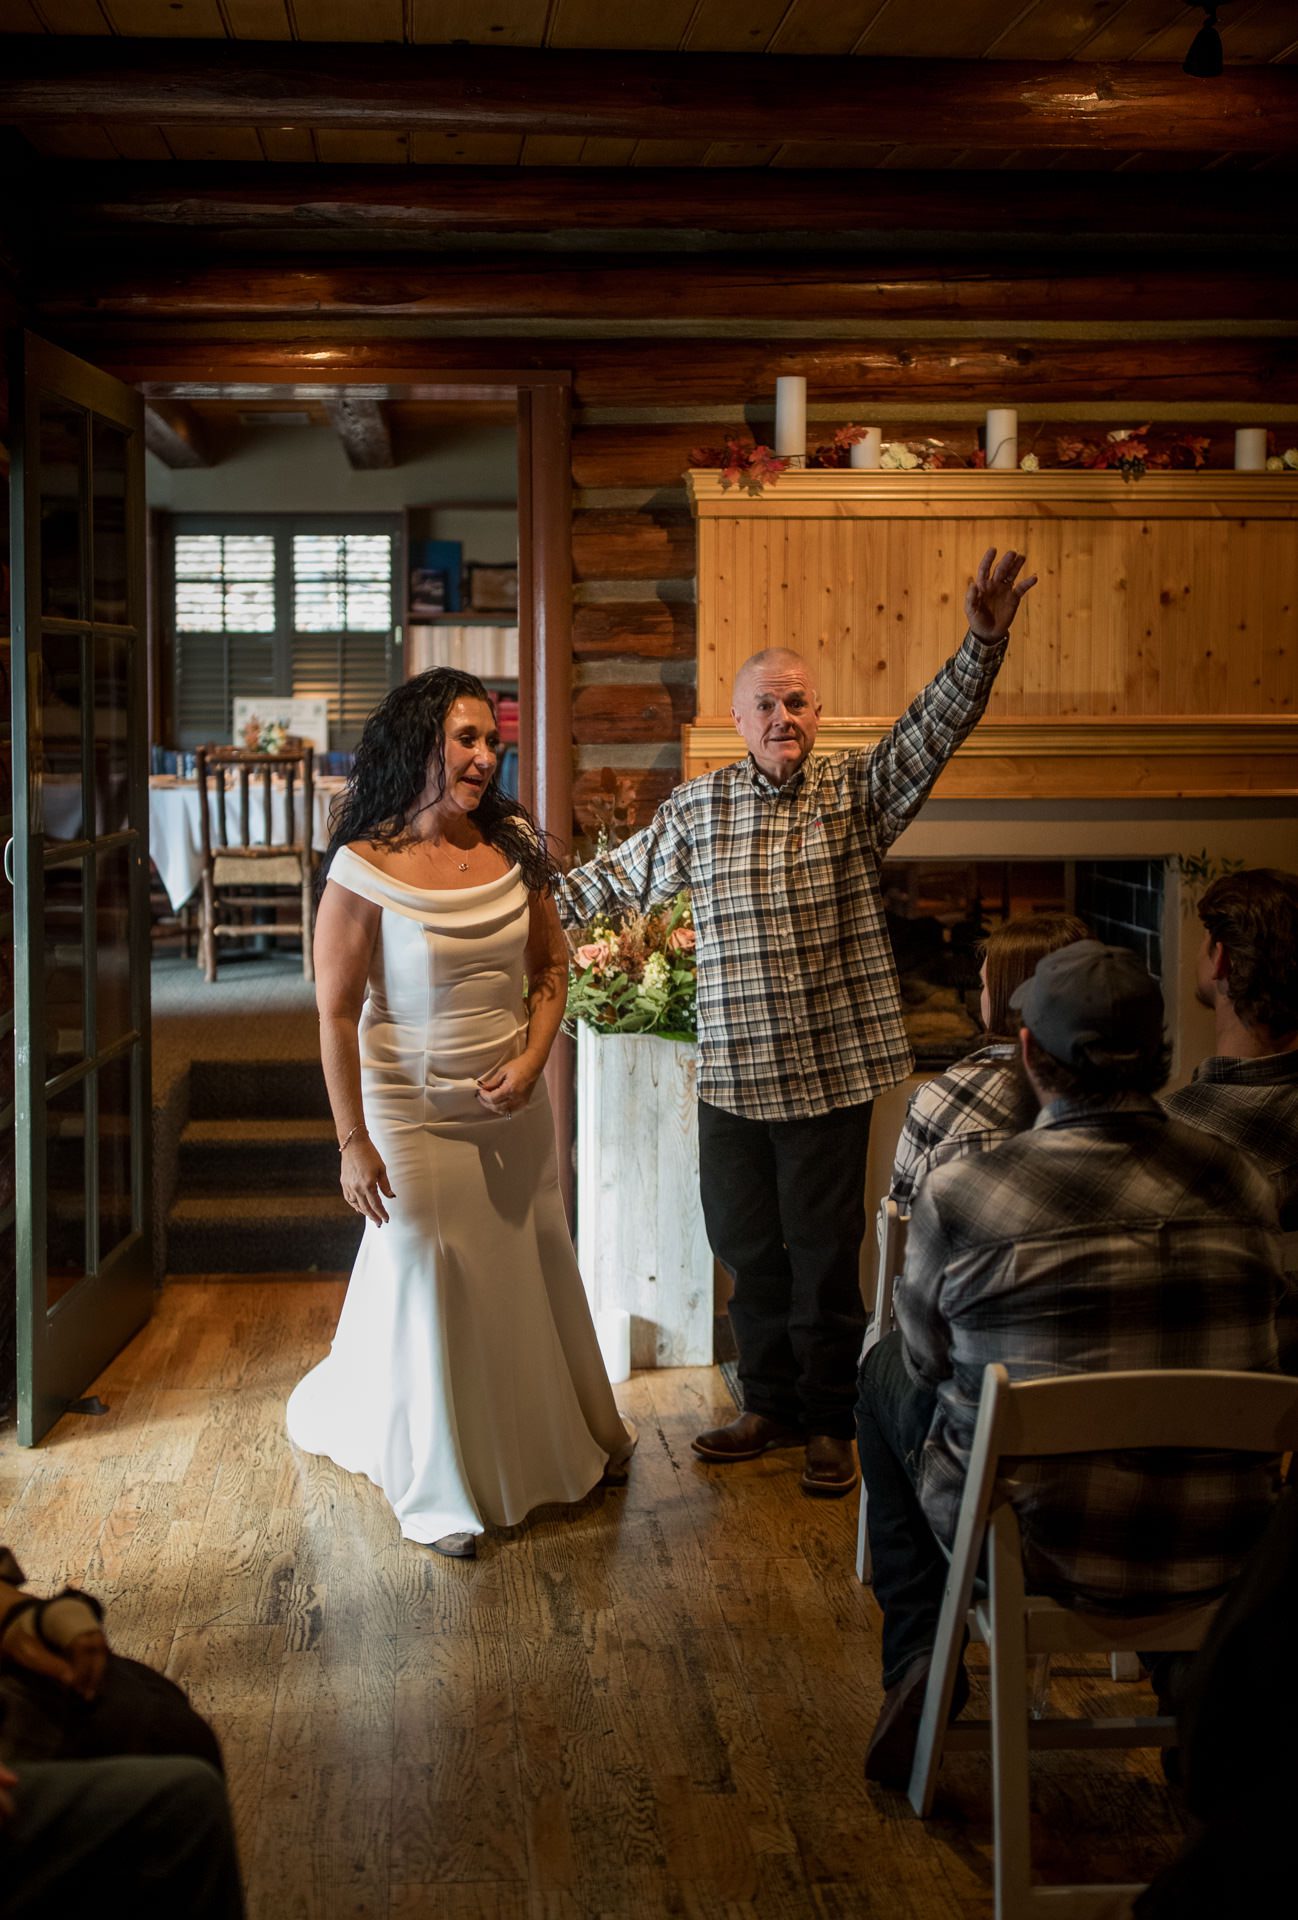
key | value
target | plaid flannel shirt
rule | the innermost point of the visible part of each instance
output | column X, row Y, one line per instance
column 1107, row 1237
column 799, row 1009
column 1251, row 1105
column 974, row 1105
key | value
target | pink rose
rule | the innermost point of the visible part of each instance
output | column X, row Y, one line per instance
column 681, row 940
column 597, row 954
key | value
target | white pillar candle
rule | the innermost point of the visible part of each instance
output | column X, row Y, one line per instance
column 866, row 452
column 791, row 417
column 613, row 1331
column 1250, row 449
column 1002, row 437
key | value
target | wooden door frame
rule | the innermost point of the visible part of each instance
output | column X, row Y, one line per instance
column 544, row 411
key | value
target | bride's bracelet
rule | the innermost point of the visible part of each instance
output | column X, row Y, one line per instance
column 358, row 1128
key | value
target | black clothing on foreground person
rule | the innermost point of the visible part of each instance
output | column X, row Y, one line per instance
column 1238, row 1763
column 110, row 1783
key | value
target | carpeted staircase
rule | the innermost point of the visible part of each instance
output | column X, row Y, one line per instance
column 256, row 1186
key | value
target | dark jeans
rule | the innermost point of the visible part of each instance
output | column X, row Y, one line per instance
column 784, row 1203
column 130, row 1835
column 893, row 1416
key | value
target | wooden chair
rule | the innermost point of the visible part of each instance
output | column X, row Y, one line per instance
column 1231, row 1412
column 253, row 865
column 891, row 1229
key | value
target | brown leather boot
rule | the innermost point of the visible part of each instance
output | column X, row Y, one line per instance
column 831, row 1466
column 745, row 1438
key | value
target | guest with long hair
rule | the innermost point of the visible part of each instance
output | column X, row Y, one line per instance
column 981, row 1100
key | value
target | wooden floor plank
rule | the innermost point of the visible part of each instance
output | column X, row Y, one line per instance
column 652, row 1703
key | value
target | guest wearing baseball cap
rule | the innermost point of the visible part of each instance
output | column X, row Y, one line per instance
column 1107, row 1236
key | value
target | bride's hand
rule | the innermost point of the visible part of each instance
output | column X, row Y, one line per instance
column 507, row 1088
column 364, row 1178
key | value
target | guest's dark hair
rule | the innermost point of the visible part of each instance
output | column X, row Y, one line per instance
column 1254, row 916
column 403, row 738
column 1011, row 952
column 1104, row 1073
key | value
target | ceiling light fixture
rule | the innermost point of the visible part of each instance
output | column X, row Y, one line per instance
column 1204, row 60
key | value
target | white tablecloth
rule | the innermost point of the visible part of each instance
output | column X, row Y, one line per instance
column 174, row 841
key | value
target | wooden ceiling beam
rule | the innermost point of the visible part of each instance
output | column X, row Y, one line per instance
column 380, row 203
column 737, row 293
column 362, row 426
column 1124, row 106
column 175, row 434
column 687, row 371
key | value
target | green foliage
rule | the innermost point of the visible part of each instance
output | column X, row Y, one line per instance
column 636, row 975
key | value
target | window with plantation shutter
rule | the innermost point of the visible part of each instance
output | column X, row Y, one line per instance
column 277, row 606
column 224, row 614
column 342, row 623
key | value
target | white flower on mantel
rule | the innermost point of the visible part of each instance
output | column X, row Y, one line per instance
column 1029, row 463
column 1119, row 433
column 1274, row 464
column 1290, row 458
column 897, row 454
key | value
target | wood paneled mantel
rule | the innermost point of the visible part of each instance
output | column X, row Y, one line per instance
column 1157, row 658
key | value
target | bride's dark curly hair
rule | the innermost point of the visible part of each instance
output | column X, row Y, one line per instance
column 403, row 737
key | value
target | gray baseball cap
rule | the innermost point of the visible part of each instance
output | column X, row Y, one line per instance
column 1088, row 995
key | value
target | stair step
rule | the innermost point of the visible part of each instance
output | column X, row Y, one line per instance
column 256, row 1233
column 235, row 1156
column 271, row 1089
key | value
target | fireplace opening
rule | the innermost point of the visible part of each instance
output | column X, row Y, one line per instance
column 939, row 913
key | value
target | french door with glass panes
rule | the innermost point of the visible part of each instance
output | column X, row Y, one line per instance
column 79, row 859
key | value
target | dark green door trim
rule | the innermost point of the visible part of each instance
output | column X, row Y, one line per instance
column 81, row 879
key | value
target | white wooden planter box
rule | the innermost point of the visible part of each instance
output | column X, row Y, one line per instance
column 640, row 1235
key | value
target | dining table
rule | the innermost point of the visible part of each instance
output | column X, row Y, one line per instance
column 175, row 826
column 175, row 837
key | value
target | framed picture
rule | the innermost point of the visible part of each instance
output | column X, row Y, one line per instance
column 306, row 719
column 493, row 589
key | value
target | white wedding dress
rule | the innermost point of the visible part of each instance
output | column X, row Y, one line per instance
column 465, row 1378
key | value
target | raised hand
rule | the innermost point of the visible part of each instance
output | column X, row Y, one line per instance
column 994, row 593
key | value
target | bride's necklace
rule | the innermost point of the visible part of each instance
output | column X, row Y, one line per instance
column 445, row 847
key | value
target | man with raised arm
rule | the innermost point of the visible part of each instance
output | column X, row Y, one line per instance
column 799, row 1009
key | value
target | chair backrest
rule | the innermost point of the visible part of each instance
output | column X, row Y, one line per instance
column 1198, row 1408
column 1195, row 1408
column 263, row 826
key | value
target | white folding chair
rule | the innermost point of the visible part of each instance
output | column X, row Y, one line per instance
column 891, row 1229
column 1193, row 1409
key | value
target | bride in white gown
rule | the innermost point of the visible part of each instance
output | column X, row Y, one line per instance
column 464, row 1379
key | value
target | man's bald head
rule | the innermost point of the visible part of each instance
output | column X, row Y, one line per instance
column 776, row 709
column 771, row 660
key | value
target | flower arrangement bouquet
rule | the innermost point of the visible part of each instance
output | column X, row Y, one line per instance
column 265, row 736
column 638, row 975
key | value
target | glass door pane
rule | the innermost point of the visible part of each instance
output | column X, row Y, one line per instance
column 80, row 860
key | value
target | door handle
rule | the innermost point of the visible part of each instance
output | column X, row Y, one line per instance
column 9, row 861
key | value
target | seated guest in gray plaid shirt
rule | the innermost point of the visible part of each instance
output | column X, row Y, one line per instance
column 799, row 1009
column 1247, row 1093
column 981, row 1100
column 1108, row 1236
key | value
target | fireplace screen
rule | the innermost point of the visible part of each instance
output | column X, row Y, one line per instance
column 940, row 912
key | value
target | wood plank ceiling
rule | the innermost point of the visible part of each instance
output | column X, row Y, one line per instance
column 1109, row 33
